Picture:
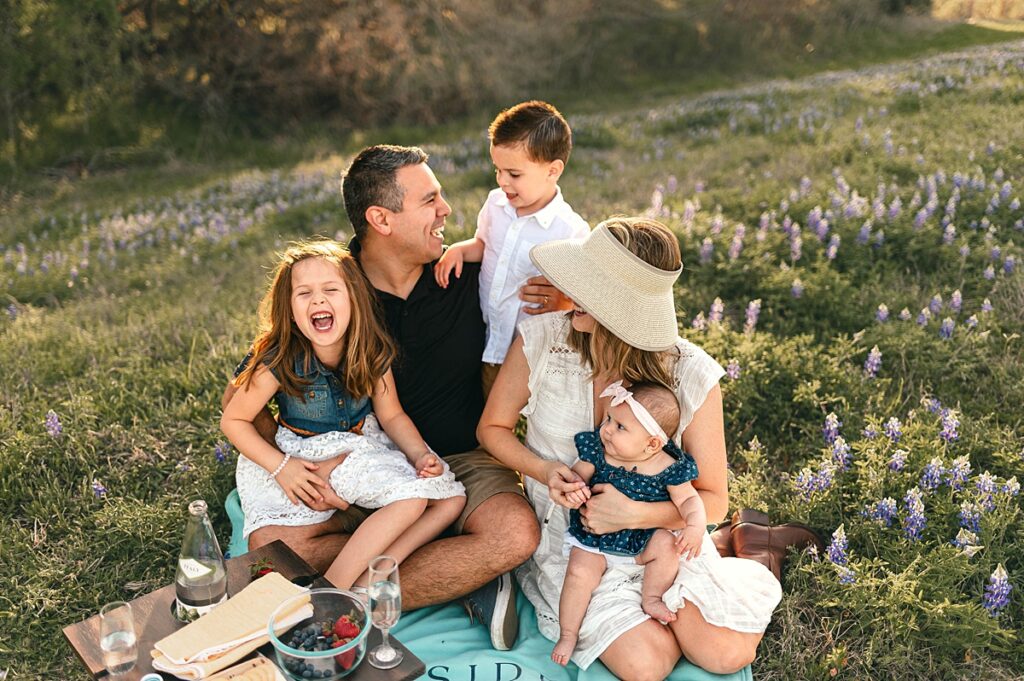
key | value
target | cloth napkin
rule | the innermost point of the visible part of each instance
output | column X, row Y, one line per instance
column 232, row 630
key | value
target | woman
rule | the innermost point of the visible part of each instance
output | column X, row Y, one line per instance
column 622, row 327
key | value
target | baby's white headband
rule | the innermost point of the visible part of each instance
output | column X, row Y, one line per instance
column 620, row 395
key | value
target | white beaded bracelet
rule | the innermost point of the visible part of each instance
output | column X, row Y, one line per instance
column 281, row 465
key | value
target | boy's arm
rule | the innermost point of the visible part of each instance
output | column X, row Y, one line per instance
column 470, row 250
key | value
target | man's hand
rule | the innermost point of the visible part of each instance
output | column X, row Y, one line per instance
column 428, row 465
column 451, row 259
column 543, row 297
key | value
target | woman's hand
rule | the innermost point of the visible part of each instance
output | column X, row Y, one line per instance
column 562, row 481
column 428, row 465
column 608, row 510
column 300, row 482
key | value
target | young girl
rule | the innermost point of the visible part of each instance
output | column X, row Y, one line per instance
column 631, row 451
column 324, row 358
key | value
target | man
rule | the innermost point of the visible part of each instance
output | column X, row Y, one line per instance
column 398, row 214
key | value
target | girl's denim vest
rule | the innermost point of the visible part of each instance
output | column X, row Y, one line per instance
column 324, row 406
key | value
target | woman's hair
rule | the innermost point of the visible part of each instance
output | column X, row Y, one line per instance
column 367, row 352
column 607, row 354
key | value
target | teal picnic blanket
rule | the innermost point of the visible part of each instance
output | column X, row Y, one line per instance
column 454, row 650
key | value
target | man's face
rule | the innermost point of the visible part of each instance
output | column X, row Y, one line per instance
column 418, row 230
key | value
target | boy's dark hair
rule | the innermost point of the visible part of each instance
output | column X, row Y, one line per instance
column 661, row 402
column 538, row 126
column 370, row 181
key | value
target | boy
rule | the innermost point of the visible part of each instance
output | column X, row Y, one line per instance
column 530, row 145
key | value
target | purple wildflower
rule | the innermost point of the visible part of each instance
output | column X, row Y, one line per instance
column 986, row 486
column 970, row 516
column 220, row 452
column 831, row 428
column 989, row 273
column 986, row 305
column 950, row 423
column 882, row 314
column 699, row 322
column 707, row 248
column 956, row 301
column 98, row 490
column 837, row 547
column 733, row 370
column 882, row 511
column 869, row 432
column 932, row 405
column 846, row 575
column 796, row 247
column 948, row 235
column 808, row 481
column 698, row 187
column 997, row 592
column 864, row 235
column 971, row 321
column 716, row 312
column 931, row 477
column 935, row 305
column 946, row 330
column 797, row 289
column 1011, row 487
column 893, row 429
column 995, row 253
column 753, row 311
column 833, row 247
column 958, row 472
column 841, row 453
column 736, row 246
column 923, row 316
column 898, row 460
column 1009, row 264
column 904, row 315
column 964, row 539
column 915, row 520
column 53, row 426
column 12, row 311
column 879, row 238
column 873, row 363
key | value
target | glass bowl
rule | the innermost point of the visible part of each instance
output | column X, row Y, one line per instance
column 327, row 663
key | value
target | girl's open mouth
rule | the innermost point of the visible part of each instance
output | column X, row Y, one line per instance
column 322, row 321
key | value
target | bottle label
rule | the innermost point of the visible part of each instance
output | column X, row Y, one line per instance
column 190, row 613
column 193, row 569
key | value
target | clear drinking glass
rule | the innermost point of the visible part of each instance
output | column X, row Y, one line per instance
column 385, row 592
column 117, row 637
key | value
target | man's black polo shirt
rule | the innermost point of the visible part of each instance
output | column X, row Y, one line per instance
column 440, row 337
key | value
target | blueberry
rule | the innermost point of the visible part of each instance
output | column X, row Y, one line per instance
column 307, row 674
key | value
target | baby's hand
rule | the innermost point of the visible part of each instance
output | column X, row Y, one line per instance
column 689, row 542
column 429, row 465
column 451, row 259
column 578, row 497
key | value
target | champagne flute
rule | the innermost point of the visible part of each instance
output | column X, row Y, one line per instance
column 117, row 637
column 385, row 592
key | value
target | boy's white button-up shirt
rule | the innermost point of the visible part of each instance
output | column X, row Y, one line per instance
column 506, row 264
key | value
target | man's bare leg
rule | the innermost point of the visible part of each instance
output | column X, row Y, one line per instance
column 317, row 544
column 499, row 535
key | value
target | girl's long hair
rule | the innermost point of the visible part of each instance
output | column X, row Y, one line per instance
column 603, row 351
column 368, row 350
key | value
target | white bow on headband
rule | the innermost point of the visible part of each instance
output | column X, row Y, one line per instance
column 620, row 395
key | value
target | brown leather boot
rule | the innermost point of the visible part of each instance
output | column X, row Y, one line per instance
column 722, row 537
column 769, row 544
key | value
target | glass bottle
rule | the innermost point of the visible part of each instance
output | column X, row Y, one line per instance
column 201, row 581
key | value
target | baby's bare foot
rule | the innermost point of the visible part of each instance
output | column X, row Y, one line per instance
column 563, row 649
column 656, row 608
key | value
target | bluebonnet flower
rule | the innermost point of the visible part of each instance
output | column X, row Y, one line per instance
column 946, row 330
column 716, row 312
column 837, row 547
column 923, row 316
column 935, row 305
column 753, row 311
column 948, row 234
column 220, row 452
column 698, row 187
column 986, row 486
column 873, row 363
column 958, row 472
column 833, row 247
column 932, row 405
column 707, row 248
column 970, row 516
column 879, row 238
column 893, row 429
column 1011, row 487
column 931, row 477
column 808, row 481
column 965, row 251
column 971, row 321
column 995, row 253
column 915, row 521
column 1009, row 263
column 989, row 273
column 997, row 592
column 882, row 511
column 797, row 289
column 986, row 305
column 950, row 423
column 956, row 301
column 882, row 315
column 904, row 314
column 796, row 247
column 967, row 542
column 841, row 453
column 98, row 490
column 53, row 426
column 1015, row 204
column 869, row 432
column 805, row 185
column 12, row 311
column 736, row 247
column 831, row 428
column 846, row 575
column 733, row 369
column 898, row 460
column 699, row 322
column 864, row 235
column 671, row 184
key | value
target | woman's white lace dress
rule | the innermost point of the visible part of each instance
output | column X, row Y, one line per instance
column 730, row 592
column 373, row 475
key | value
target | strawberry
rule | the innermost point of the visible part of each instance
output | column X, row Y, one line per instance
column 261, row 567
column 346, row 659
column 346, row 628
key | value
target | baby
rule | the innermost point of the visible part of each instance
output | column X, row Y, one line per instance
column 632, row 451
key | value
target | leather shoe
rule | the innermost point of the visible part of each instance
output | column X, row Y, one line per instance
column 769, row 544
column 722, row 534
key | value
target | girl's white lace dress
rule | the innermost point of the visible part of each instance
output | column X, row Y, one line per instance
column 730, row 592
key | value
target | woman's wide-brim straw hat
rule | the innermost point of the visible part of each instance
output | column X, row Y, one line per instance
column 629, row 297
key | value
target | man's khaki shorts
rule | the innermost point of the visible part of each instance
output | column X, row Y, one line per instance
column 481, row 474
